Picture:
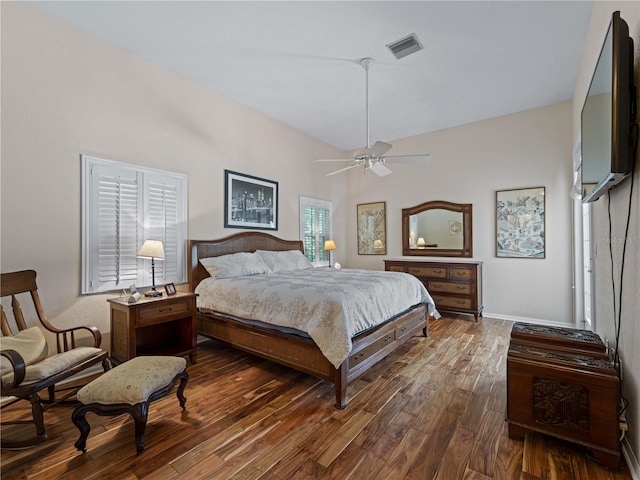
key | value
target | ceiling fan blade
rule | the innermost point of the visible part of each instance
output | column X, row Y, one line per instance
column 408, row 158
column 344, row 169
column 379, row 149
column 379, row 169
column 335, row 160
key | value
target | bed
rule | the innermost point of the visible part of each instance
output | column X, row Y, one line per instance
column 289, row 345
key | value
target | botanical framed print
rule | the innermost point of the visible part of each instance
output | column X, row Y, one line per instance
column 250, row 202
column 372, row 228
column 520, row 223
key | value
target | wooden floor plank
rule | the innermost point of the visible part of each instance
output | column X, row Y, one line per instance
column 434, row 409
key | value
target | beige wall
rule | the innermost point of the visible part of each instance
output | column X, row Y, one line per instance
column 65, row 93
column 469, row 163
column 604, row 315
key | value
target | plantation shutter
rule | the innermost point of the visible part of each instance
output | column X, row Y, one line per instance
column 315, row 228
column 124, row 205
column 324, row 231
column 162, row 223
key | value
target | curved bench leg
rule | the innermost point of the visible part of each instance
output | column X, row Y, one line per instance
column 184, row 377
column 139, row 413
column 79, row 420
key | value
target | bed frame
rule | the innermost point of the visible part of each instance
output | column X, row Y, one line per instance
column 293, row 351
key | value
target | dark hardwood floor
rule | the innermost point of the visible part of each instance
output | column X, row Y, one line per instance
column 434, row 409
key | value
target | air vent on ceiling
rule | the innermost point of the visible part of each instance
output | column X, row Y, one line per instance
column 405, row 46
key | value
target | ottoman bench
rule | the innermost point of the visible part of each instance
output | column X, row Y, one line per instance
column 130, row 388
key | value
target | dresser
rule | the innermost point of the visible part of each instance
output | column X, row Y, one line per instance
column 456, row 287
column 154, row 326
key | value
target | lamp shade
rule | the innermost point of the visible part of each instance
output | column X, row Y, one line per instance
column 152, row 249
column 421, row 242
column 377, row 244
column 329, row 245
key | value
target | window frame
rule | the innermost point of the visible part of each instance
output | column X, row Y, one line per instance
column 146, row 185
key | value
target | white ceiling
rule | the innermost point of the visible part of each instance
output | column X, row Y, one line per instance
column 298, row 61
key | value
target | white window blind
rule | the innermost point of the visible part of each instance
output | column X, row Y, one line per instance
column 124, row 205
column 315, row 228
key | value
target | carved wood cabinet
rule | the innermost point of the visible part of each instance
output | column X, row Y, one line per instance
column 455, row 286
column 560, row 382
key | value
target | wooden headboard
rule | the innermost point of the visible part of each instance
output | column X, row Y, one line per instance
column 240, row 242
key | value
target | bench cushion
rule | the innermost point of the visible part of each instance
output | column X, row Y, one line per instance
column 133, row 381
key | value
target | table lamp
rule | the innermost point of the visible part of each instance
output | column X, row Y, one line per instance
column 152, row 249
column 328, row 246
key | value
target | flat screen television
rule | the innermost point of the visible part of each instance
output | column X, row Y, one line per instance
column 608, row 114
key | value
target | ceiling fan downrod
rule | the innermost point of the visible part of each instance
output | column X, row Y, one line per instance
column 365, row 63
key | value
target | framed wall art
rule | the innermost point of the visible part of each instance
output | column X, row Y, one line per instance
column 372, row 228
column 250, row 202
column 520, row 223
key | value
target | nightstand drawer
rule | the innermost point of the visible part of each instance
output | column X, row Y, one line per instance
column 159, row 312
column 432, row 272
column 450, row 287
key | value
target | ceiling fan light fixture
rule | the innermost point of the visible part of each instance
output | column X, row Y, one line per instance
column 405, row 46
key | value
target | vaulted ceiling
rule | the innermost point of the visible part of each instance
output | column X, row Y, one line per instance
column 298, row 61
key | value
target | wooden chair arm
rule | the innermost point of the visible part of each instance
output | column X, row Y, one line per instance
column 66, row 339
column 19, row 368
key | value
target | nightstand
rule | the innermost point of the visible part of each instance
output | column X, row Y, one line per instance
column 154, row 326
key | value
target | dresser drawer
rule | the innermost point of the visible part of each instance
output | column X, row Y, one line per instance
column 449, row 287
column 159, row 312
column 395, row 268
column 461, row 273
column 431, row 272
column 443, row 301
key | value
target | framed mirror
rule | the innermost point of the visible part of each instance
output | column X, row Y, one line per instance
column 437, row 229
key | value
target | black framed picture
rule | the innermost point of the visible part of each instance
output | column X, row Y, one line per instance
column 170, row 288
column 250, row 202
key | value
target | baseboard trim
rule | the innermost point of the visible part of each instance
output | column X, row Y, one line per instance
column 632, row 461
column 537, row 321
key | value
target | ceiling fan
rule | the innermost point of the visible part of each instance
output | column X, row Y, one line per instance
column 373, row 157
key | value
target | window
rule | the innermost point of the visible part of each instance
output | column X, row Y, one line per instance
column 122, row 206
column 315, row 228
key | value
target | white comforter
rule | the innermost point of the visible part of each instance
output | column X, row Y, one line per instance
column 330, row 305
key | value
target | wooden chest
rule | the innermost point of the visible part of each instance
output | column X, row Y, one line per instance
column 554, row 387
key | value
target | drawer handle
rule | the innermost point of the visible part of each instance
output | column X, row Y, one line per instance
column 167, row 309
column 460, row 288
column 461, row 273
column 460, row 302
column 437, row 271
column 437, row 285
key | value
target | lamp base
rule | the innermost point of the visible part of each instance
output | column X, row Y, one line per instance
column 153, row 293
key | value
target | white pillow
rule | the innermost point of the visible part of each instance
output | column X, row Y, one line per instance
column 285, row 261
column 30, row 344
column 234, row 265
